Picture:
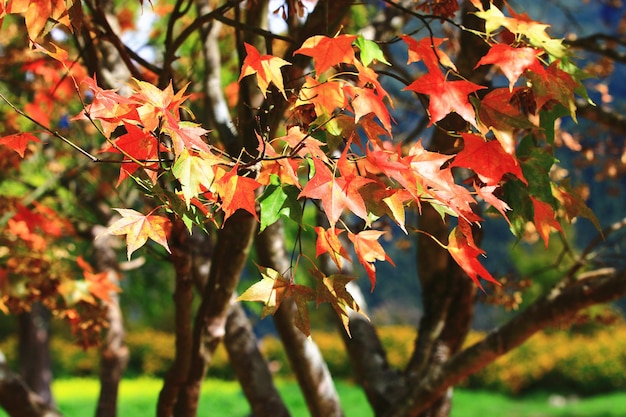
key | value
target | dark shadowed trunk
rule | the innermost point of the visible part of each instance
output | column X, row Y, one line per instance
column 17, row 399
column 181, row 259
column 34, row 351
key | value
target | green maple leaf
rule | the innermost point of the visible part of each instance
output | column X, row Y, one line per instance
column 279, row 200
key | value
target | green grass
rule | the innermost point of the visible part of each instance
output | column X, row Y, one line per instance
column 77, row 398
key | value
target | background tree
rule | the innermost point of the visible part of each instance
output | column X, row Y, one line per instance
column 267, row 120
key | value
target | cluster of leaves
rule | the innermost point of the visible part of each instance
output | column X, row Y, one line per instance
column 337, row 150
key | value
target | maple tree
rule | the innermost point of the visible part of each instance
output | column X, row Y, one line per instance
column 313, row 126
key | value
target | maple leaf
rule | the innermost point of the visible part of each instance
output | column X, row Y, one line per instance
column 365, row 101
column 446, row 96
column 328, row 242
column 512, row 61
column 554, row 84
column 18, row 142
column 427, row 50
column 156, row 105
column 464, row 252
column 573, row 203
column 279, row 200
column 36, row 14
column 487, row 194
column 187, row 135
column 100, row 286
column 236, row 192
column 368, row 251
column 370, row 51
column 273, row 289
column 496, row 112
column 427, row 177
column 266, row 68
column 325, row 97
column 487, row 159
column 328, row 52
column 544, row 219
column 140, row 145
column 108, row 107
column 138, row 228
column 336, row 194
column 194, row 172
column 332, row 289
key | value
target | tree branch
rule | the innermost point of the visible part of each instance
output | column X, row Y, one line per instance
column 601, row 44
column 557, row 305
column 609, row 119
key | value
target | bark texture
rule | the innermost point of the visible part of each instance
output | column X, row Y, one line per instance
column 183, row 314
column 114, row 353
column 250, row 366
column 231, row 252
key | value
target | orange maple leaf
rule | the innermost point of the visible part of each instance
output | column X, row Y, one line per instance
column 100, row 286
column 427, row 50
column 328, row 242
column 463, row 250
column 266, row 68
column 138, row 228
column 236, row 192
column 328, row 52
column 368, row 251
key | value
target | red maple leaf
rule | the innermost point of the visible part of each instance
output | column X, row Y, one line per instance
column 487, row 159
column 328, row 52
column 544, row 219
column 100, row 286
column 336, row 194
column 142, row 146
column 446, row 96
column 365, row 101
column 18, row 142
column 463, row 250
column 512, row 61
column 427, row 50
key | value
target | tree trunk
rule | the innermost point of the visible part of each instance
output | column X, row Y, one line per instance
column 304, row 356
column 17, row 399
column 183, row 298
column 231, row 252
column 251, row 368
column 34, row 351
column 114, row 353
